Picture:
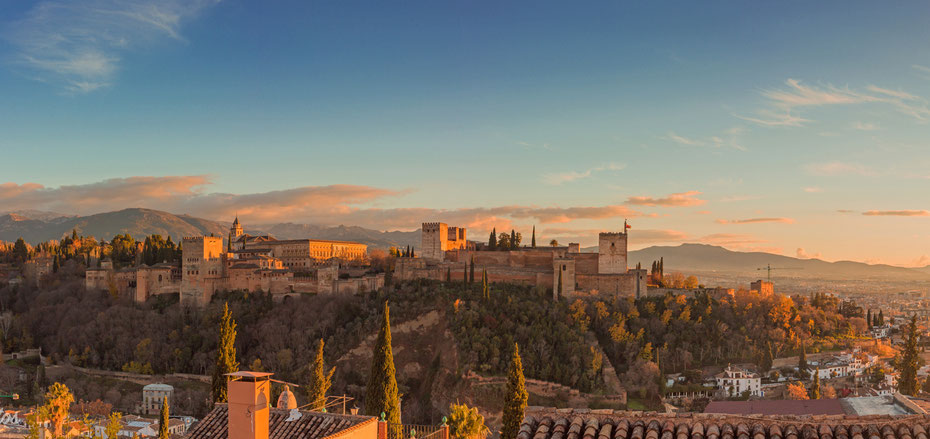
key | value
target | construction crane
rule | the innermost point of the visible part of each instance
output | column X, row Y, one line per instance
column 768, row 268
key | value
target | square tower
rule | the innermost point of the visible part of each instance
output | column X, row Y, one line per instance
column 611, row 253
column 432, row 239
column 201, row 259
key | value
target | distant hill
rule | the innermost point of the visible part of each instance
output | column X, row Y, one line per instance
column 371, row 237
column 709, row 258
column 35, row 227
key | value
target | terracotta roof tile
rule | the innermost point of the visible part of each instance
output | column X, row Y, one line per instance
column 310, row 425
column 562, row 424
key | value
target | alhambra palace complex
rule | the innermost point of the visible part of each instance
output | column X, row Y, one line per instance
column 284, row 267
column 444, row 251
column 249, row 263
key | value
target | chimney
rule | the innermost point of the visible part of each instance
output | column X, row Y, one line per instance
column 248, row 405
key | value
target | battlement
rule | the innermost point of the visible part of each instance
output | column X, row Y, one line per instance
column 610, row 234
column 432, row 227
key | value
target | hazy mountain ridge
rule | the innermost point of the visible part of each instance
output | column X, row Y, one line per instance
column 709, row 258
column 139, row 223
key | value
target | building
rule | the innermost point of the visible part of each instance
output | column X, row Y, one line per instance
column 564, row 269
column 250, row 415
column 153, row 396
column 132, row 426
column 249, row 263
column 548, row 423
column 762, row 287
column 733, row 382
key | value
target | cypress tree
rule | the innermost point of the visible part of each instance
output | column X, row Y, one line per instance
column 382, row 394
column 909, row 361
column 320, row 380
column 533, row 243
column 515, row 398
column 56, row 265
column 471, row 271
column 449, row 275
column 513, row 239
column 486, row 290
column 413, row 252
column 465, row 274
column 881, row 317
column 225, row 356
column 492, row 241
column 802, row 361
column 868, row 318
column 163, row 421
column 815, row 386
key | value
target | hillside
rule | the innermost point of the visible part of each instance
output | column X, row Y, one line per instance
column 709, row 258
column 35, row 227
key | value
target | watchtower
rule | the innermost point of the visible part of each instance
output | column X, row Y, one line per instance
column 611, row 253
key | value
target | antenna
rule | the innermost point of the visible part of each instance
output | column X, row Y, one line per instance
column 768, row 268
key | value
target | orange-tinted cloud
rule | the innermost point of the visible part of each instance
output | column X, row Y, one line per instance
column 803, row 254
column 896, row 213
column 681, row 199
column 328, row 205
column 756, row 220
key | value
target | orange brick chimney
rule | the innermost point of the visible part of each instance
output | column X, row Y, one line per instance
column 248, row 405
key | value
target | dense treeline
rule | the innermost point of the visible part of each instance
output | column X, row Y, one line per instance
column 680, row 333
column 123, row 250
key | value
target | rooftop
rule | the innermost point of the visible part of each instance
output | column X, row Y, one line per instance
column 777, row 407
column 541, row 423
column 290, row 424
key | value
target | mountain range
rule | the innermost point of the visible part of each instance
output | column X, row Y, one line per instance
column 36, row 226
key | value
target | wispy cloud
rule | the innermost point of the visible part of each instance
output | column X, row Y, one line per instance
column 78, row 45
column 786, row 101
column 567, row 177
column 896, row 213
column 739, row 242
column 864, row 126
column 731, row 138
column 681, row 199
column 838, row 168
column 812, row 189
column 803, row 254
column 756, row 220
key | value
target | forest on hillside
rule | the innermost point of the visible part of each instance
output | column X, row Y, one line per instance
column 96, row 329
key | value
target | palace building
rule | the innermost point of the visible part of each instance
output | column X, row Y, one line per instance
column 444, row 252
column 249, row 263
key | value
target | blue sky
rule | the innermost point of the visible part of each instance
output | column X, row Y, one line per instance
column 793, row 127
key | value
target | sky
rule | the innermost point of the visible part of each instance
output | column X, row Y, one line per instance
column 799, row 128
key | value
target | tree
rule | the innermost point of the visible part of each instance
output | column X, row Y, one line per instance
column 514, row 244
column 449, row 275
column 55, row 411
column 466, row 423
column 114, row 425
column 492, row 241
column 20, row 252
column 796, row 391
column 515, row 398
column 163, row 420
column 471, row 271
column 320, row 380
column 382, row 393
column 56, row 264
column 881, row 317
column 559, row 286
column 909, row 361
column 485, row 288
column 225, row 356
column 815, row 386
column 503, row 241
column 533, row 242
column 802, row 362
column 868, row 318
column 553, row 243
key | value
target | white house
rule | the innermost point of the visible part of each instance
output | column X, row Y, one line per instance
column 735, row 381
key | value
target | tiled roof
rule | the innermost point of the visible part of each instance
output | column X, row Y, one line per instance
column 777, row 407
column 282, row 425
column 610, row 424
